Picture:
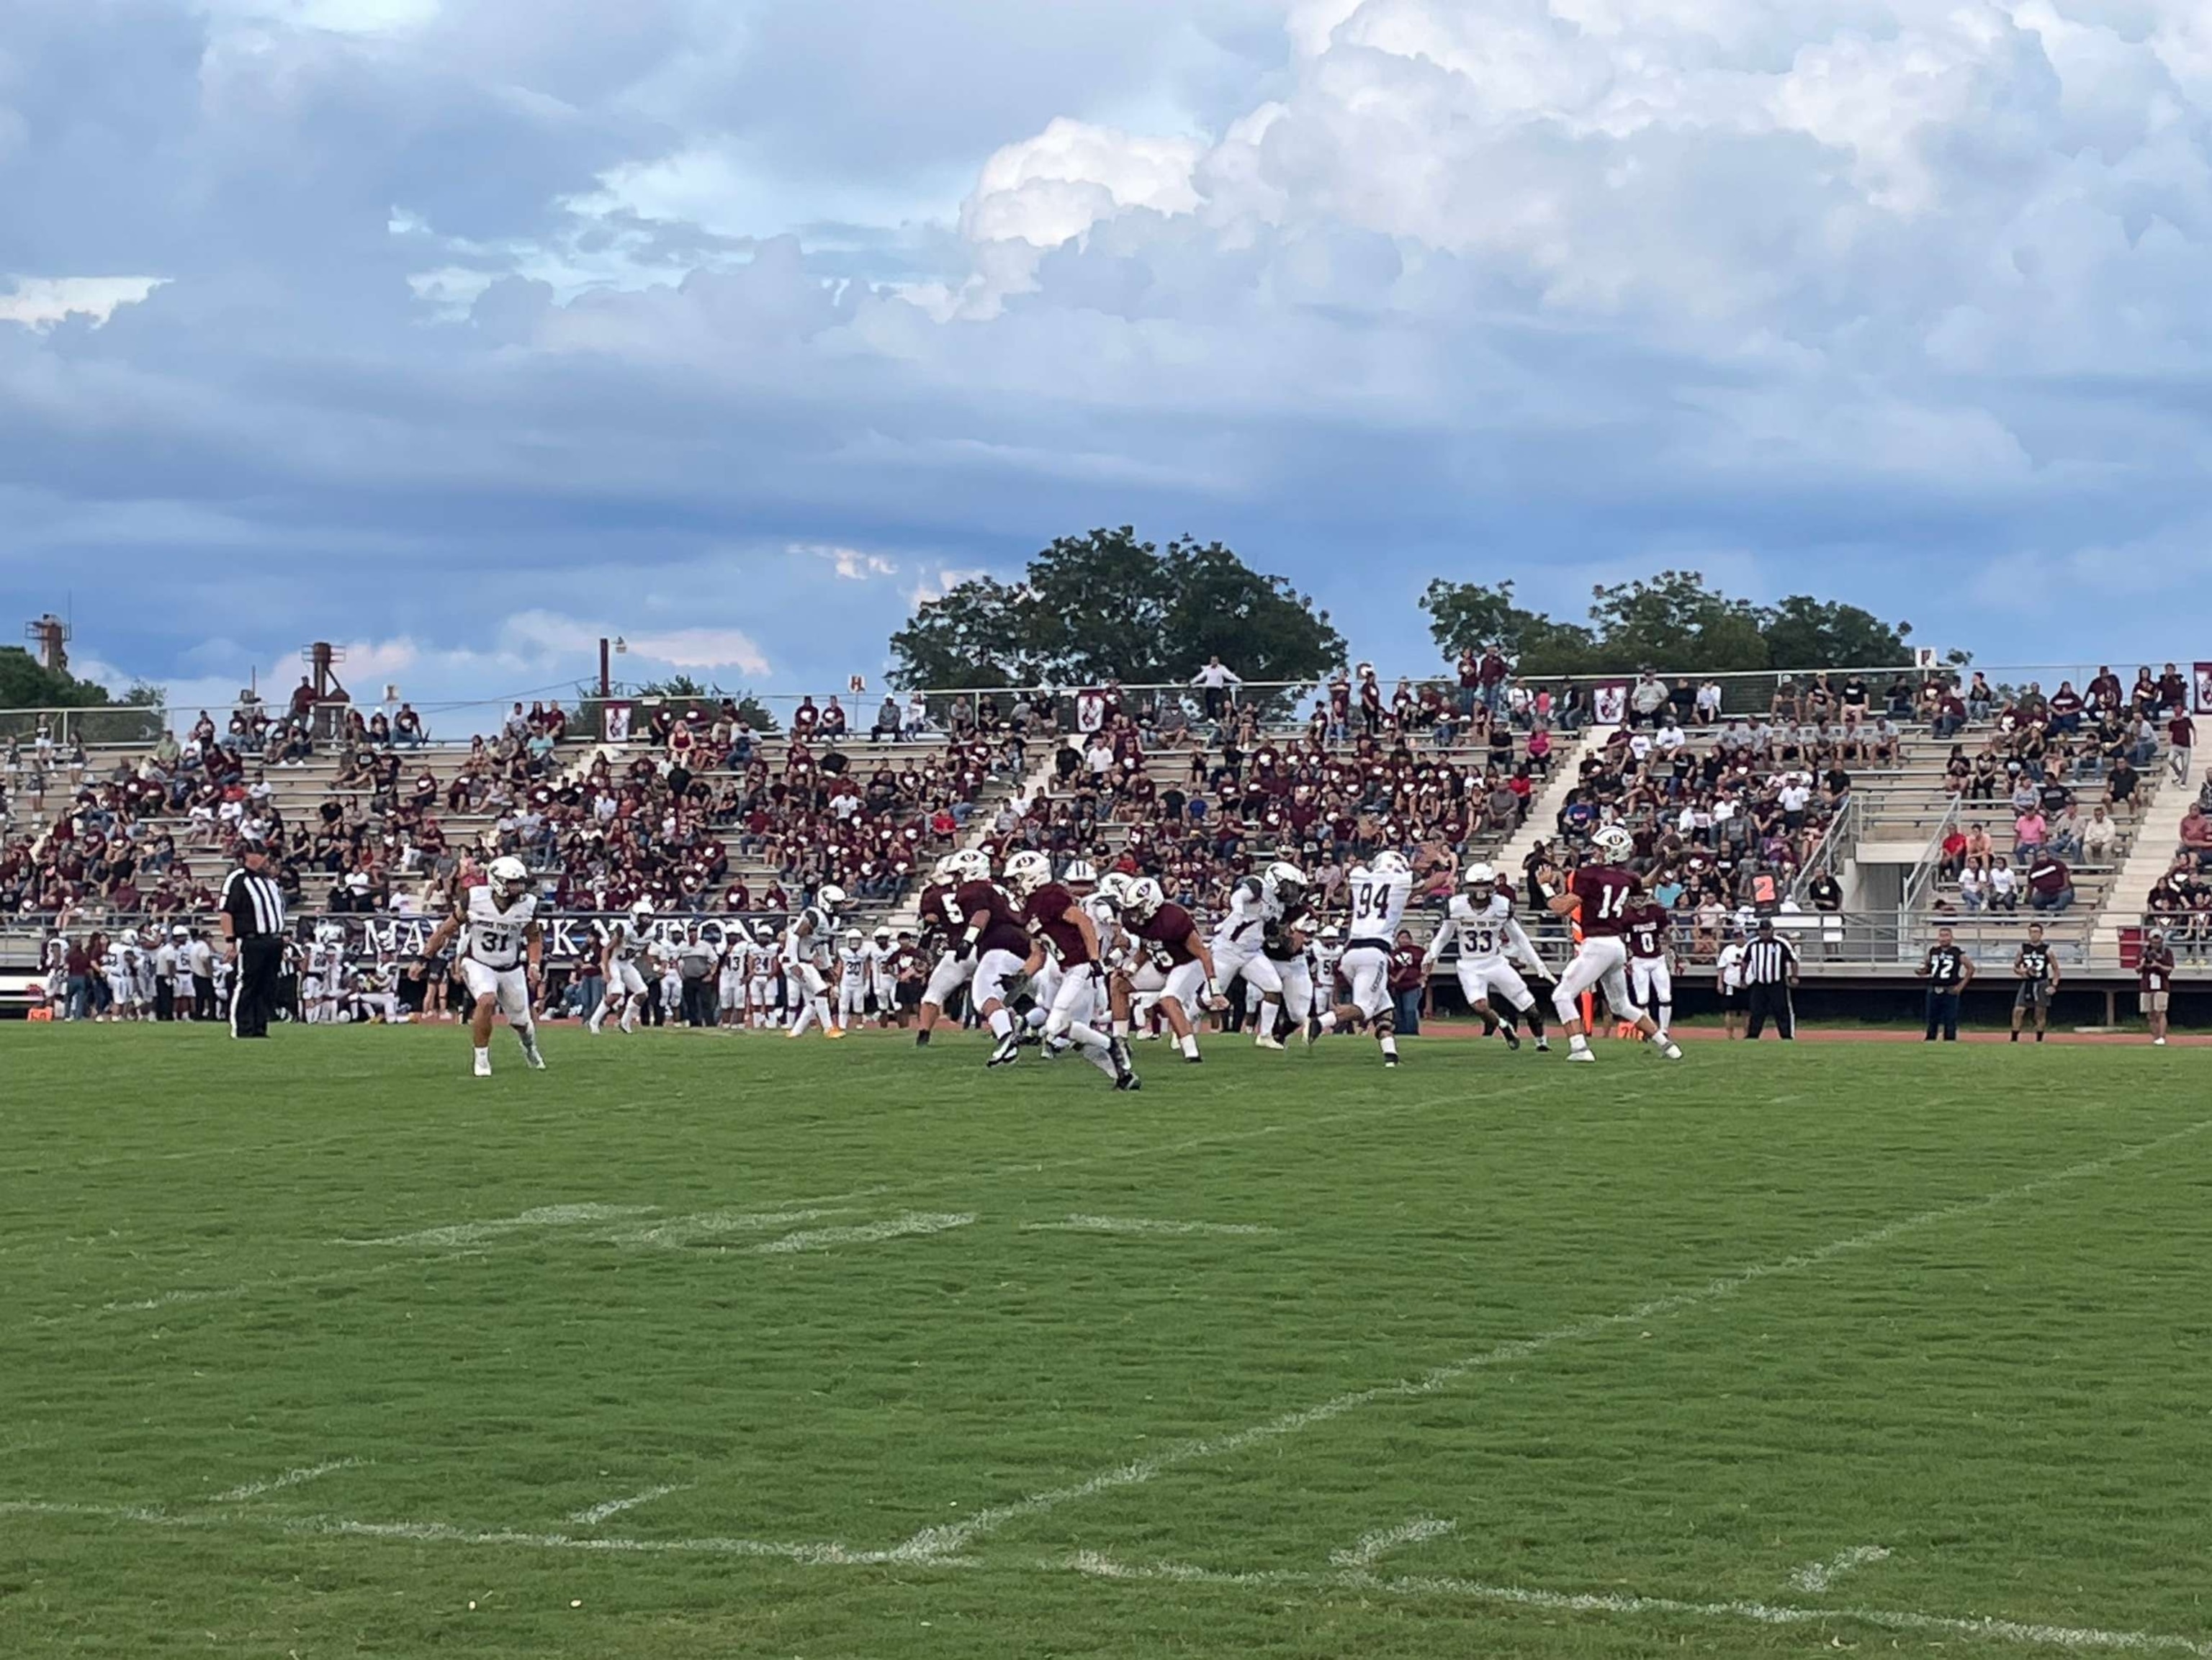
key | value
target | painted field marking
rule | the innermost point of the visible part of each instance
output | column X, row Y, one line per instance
column 892, row 1227
column 593, row 1515
column 1144, row 1225
column 707, row 1224
column 1093, row 1564
column 949, row 1179
column 552, row 1215
column 1373, row 1547
column 171, row 1298
column 955, row 1536
column 290, row 1478
column 2032, row 1633
column 1819, row 1576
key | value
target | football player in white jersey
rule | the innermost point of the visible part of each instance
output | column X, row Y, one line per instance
column 807, row 944
column 1378, row 891
column 1481, row 920
column 626, row 942
column 327, row 962
column 121, row 968
column 855, row 966
column 883, row 975
column 1327, row 951
column 766, row 1008
column 735, row 955
column 498, row 926
column 1239, row 944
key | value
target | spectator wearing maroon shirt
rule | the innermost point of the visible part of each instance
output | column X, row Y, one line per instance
column 833, row 718
column 1408, row 981
column 2050, row 884
column 1494, row 673
column 2181, row 743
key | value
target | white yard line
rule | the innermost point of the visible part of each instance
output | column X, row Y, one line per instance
column 708, row 1224
column 1373, row 1547
column 955, row 1536
column 893, row 1227
column 2032, row 1633
column 554, row 1215
column 1144, row 1225
column 1819, row 1576
column 593, row 1515
column 290, row 1478
column 1988, row 1628
column 171, row 1298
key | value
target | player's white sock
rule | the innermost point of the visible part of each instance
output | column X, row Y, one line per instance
column 1190, row 1045
column 820, row 1010
column 1034, row 1020
column 806, row 1018
column 1390, row 1047
column 1121, row 1028
column 526, row 1034
column 483, row 1062
column 1098, row 1048
column 1002, row 1024
column 1576, row 1044
column 1328, row 1020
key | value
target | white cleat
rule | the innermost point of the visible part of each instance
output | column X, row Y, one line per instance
column 483, row 1064
column 1579, row 1055
column 1267, row 1040
column 1673, row 1051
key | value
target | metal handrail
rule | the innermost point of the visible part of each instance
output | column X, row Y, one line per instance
column 1925, row 867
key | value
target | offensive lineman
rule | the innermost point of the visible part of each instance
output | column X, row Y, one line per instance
column 1066, row 934
column 1600, row 895
column 1482, row 919
column 498, row 922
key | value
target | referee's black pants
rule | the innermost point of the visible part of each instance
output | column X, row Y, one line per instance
column 253, row 993
column 203, row 998
column 1770, row 1001
column 165, row 999
column 1943, row 1016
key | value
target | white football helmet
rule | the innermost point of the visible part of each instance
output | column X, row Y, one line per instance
column 1081, row 874
column 129, row 936
column 854, row 936
column 969, row 864
column 640, row 914
column 1481, row 879
column 509, row 876
column 180, row 932
column 1027, row 871
column 1115, row 886
column 1614, row 843
column 1282, row 876
column 1331, row 933
column 1390, row 862
column 764, row 932
column 883, row 935
column 1145, row 897
column 829, row 899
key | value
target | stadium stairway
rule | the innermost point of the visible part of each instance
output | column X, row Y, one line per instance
column 1544, row 811
column 2157, row 833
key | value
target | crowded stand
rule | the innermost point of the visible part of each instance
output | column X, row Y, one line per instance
column 700, row 840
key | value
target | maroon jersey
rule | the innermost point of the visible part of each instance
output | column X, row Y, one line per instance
column 1168, row 931
column 1002, row 923
column 942, row 919
column 1046, row 916
column 1607, row 893
column 1647, row 930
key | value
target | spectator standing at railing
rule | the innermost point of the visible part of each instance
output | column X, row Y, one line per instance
column 2181, row 743
column 1215, row 683
column 1492, row 674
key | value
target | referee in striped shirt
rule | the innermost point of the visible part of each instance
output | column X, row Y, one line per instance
column 253, row 925
column 1770, row 969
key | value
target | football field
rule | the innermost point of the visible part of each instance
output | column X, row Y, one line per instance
column 702, row 1345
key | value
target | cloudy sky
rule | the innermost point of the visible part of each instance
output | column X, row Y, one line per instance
column 463, row 332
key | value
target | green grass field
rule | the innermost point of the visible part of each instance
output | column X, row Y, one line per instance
column 1282, row 1356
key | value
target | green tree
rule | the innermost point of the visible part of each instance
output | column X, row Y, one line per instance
column 1466, row 616
column 676, row 688
column 1804, row 633
column 25, row 685
column 1672, row 622
column 1106, row 606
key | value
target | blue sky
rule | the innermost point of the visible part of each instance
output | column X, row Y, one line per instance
column 464, row 331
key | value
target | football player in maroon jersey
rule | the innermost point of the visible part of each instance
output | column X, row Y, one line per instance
column 1063, row 965
column 1600, row 894
column 1180, row 953
column 943, row 923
